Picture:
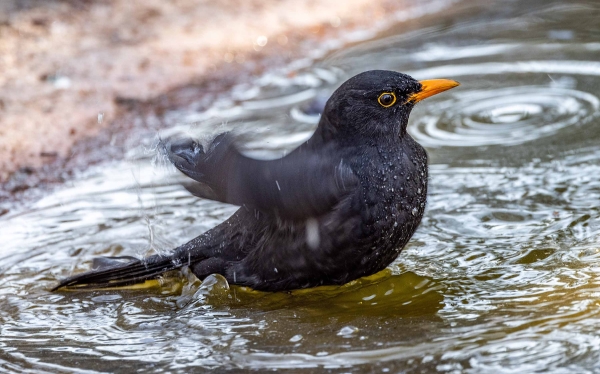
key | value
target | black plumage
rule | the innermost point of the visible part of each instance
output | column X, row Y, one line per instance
column 340, row 206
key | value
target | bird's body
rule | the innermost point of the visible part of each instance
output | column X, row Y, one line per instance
column 359, row 236
column 339, row 207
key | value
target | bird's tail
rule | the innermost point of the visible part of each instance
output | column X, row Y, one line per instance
column 111, row 272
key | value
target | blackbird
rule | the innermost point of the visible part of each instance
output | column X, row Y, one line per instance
column 340, row 206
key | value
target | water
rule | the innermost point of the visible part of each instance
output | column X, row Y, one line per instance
column 503, row 274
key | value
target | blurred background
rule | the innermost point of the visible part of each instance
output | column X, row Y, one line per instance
column 68, row 67
column 503, row 274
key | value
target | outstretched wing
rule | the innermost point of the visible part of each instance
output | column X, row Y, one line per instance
column 306, row 183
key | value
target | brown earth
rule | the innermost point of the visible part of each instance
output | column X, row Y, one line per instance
column 77, row 75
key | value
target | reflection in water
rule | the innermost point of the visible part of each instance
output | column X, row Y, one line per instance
column 502, row 274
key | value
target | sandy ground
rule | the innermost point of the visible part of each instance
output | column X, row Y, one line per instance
column 70, row 70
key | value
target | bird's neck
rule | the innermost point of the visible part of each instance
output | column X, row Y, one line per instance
column 376, row 134
column 325, row 131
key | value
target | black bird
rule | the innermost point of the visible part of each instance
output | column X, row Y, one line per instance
column 340, row 206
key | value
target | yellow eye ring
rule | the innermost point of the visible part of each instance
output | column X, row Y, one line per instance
column 387, row 99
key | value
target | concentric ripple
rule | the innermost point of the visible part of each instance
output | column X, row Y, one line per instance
column 507, row 116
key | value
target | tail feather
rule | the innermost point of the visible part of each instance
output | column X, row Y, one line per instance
column 135, row 271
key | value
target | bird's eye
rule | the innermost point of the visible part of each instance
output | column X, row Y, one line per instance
column 387, row 99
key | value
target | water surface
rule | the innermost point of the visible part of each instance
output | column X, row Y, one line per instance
column 503, row 274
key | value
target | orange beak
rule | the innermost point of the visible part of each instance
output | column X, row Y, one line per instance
column 432, row 87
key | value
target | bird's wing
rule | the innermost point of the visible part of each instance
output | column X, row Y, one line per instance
column 306, row 183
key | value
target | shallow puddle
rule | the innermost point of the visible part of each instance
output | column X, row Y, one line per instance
column 503, row 273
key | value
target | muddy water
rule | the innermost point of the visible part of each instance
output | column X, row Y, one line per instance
column 503, row 274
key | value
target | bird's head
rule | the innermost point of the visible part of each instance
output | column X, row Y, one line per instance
column 376, row 103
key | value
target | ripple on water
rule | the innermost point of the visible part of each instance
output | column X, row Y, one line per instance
column 502, row 274
column 508, row 116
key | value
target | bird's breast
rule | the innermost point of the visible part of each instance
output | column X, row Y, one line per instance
column 394, row 189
